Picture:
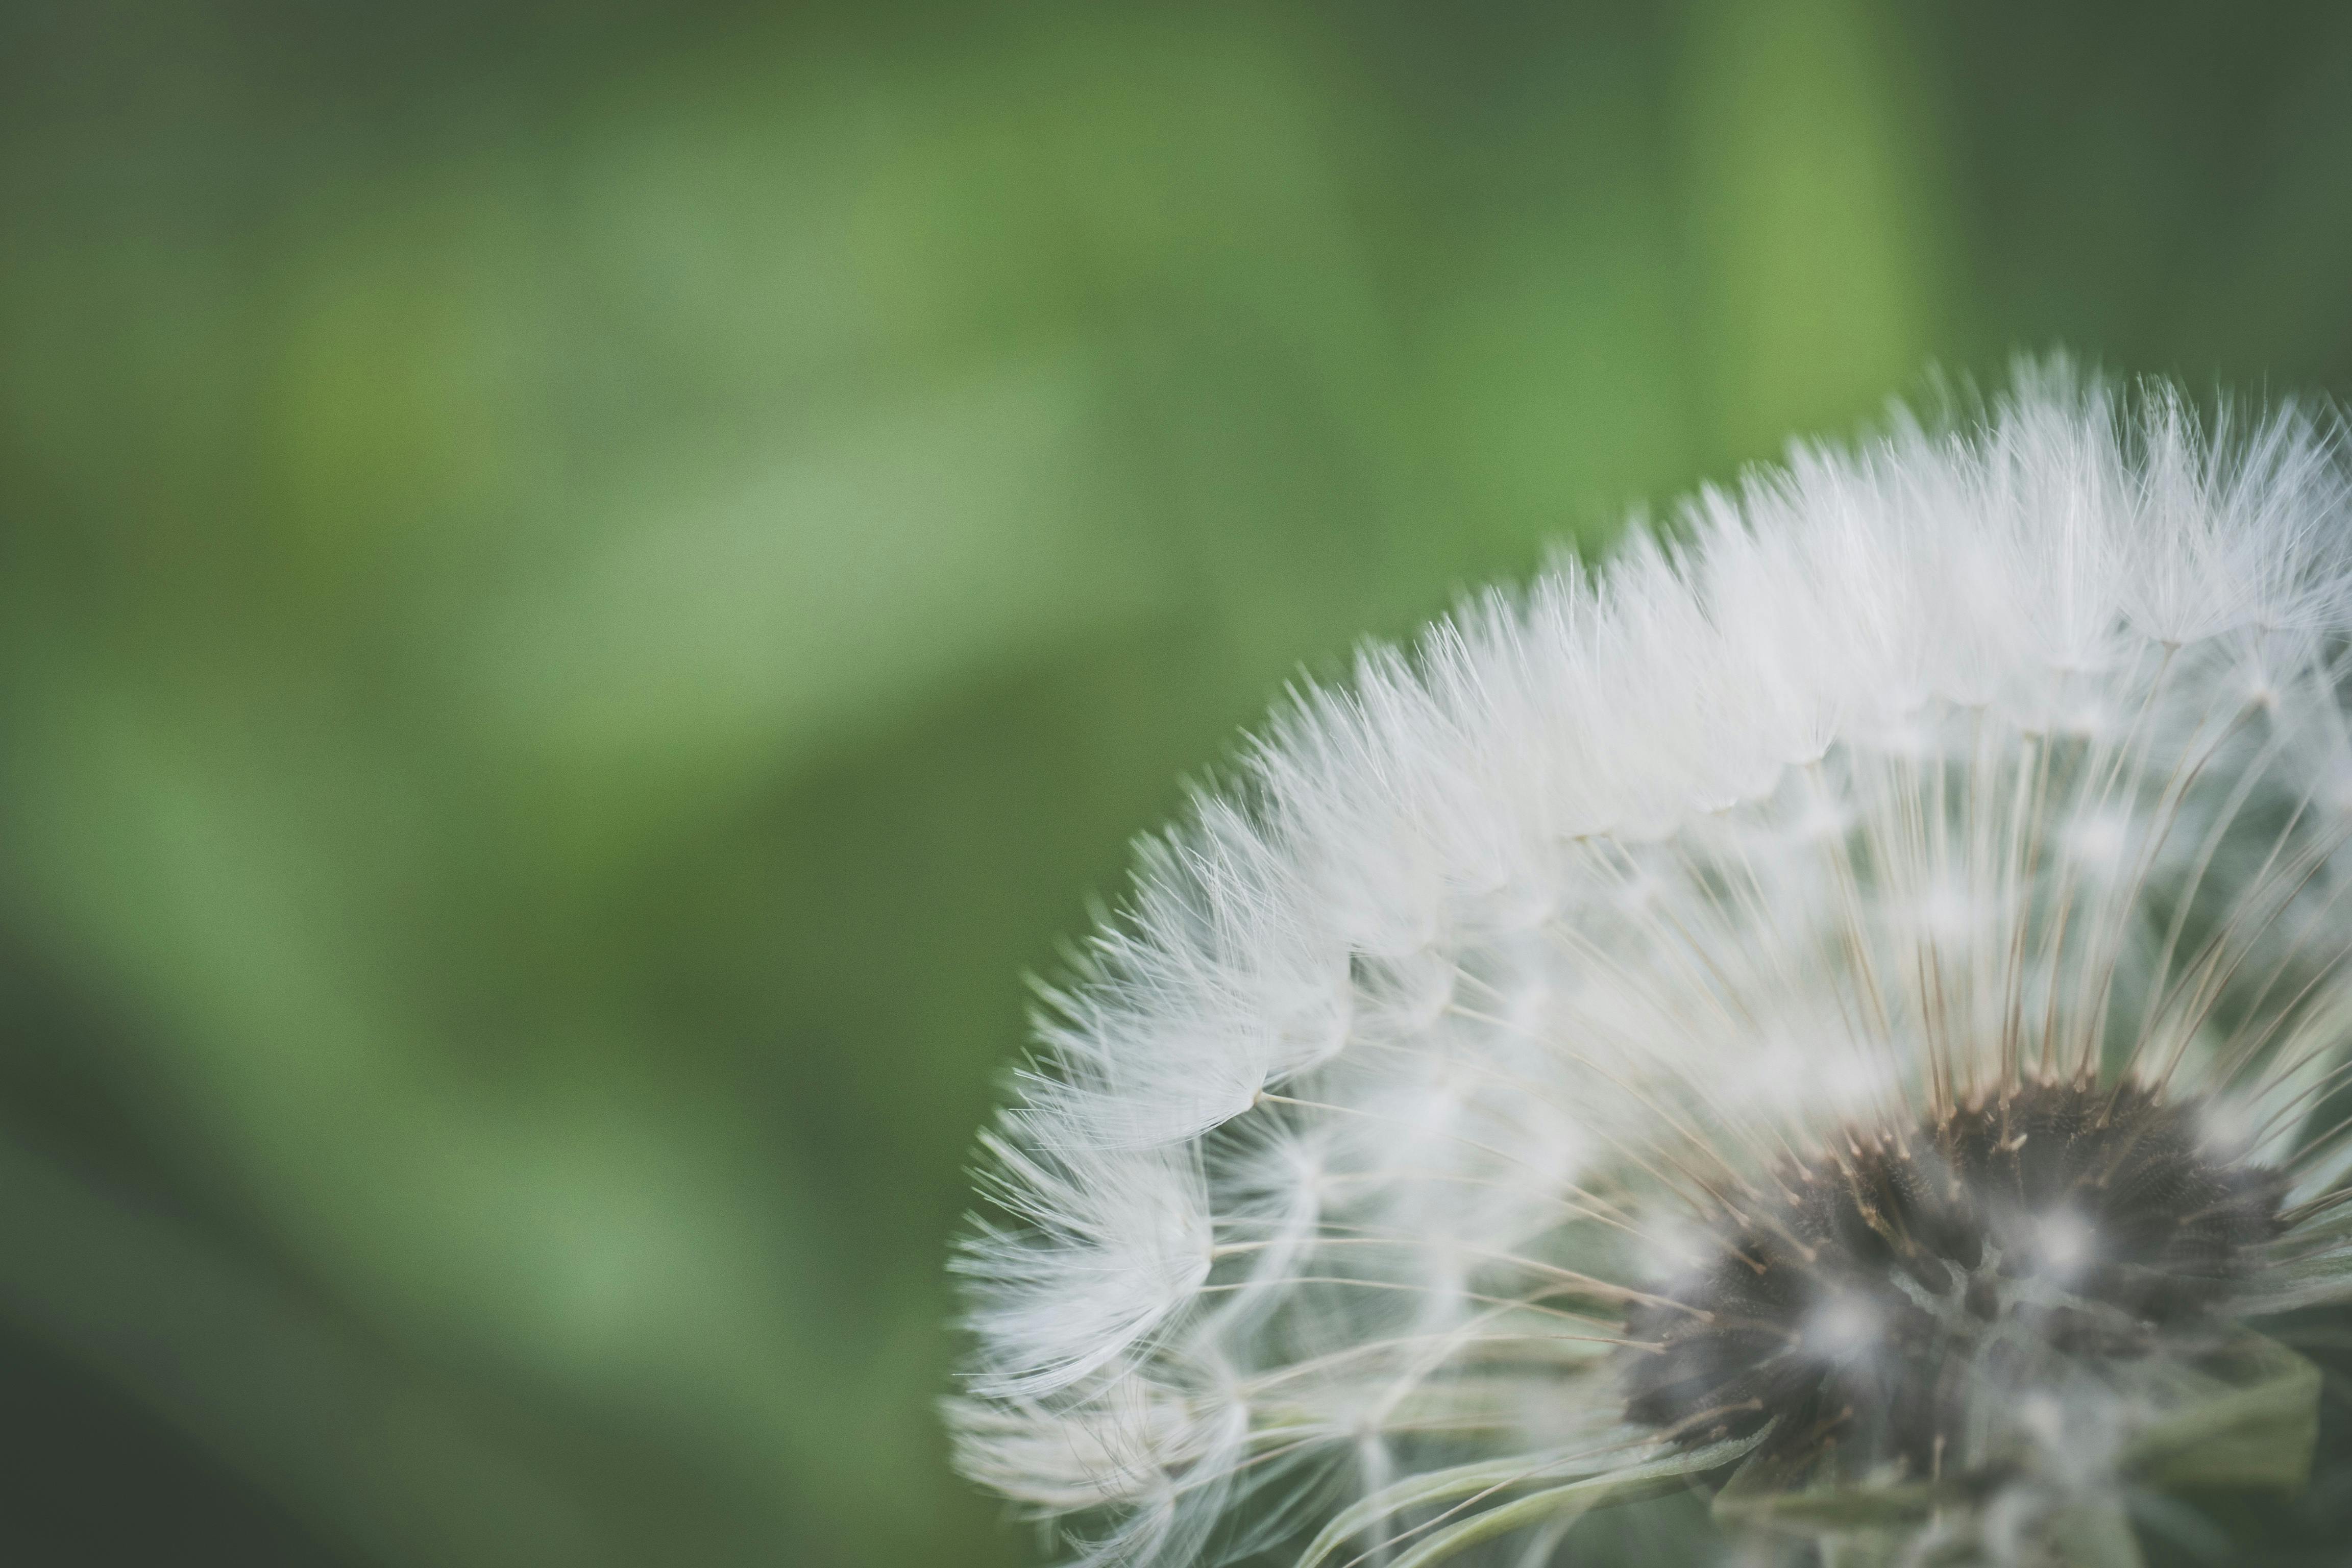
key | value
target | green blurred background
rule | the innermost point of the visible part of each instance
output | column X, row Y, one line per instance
column 585, row 588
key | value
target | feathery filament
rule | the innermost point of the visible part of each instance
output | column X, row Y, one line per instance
column 1847, row 1008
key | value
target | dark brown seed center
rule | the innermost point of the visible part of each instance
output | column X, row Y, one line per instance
column 1883, row 1286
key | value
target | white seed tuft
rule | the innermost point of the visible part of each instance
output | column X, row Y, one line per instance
column 1517, row 972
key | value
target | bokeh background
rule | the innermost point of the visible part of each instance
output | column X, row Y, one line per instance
column 583, row 588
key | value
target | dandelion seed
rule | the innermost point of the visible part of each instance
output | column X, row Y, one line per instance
column 1847, row 1008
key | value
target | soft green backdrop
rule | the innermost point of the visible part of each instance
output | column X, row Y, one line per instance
column 583, row 588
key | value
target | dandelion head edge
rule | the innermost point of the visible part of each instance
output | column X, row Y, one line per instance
column 1843, row 1007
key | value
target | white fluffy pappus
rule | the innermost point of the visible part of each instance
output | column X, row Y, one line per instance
column 1845, row 1002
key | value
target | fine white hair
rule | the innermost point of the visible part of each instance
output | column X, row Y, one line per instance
column 2008, row 744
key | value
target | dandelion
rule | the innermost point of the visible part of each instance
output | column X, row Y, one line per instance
column 1843, row 1011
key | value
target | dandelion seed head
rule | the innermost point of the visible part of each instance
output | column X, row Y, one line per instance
column 1841, row 999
